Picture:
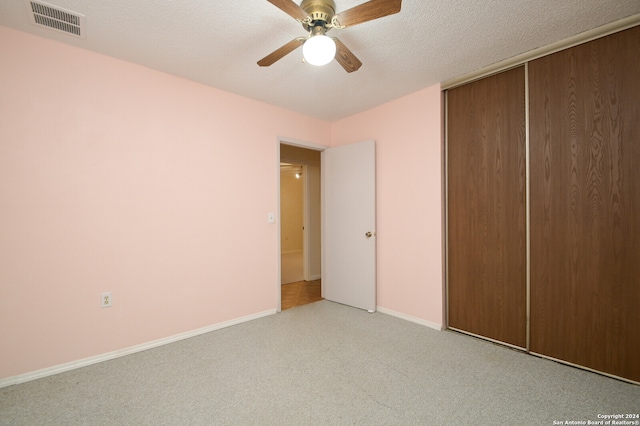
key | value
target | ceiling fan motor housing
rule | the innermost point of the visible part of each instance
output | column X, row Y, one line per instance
column 318, row 17
column 320, row 12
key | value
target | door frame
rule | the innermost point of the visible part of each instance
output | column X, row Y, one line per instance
column 305, row 145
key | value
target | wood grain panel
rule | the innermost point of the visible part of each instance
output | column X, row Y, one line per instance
column 585, row 204
column 486, row 208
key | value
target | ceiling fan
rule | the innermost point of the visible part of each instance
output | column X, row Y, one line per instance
column 318, row 17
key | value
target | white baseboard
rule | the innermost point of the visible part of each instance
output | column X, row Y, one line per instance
column 22, row 378
column 405, row 317
column 315, row 277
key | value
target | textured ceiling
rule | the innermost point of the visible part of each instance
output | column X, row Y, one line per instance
column 218, row 43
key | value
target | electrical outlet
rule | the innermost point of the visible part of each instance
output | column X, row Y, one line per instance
column 106, row 300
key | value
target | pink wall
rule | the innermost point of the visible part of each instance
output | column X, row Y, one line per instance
column 115, row 177
column 408, row 135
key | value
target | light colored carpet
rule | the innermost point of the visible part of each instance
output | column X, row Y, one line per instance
column 320, row 364
column 291, row 268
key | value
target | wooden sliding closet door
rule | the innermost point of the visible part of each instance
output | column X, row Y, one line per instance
column 585, row 204
column 486, row 207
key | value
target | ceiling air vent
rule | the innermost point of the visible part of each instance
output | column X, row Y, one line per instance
column 56, row 18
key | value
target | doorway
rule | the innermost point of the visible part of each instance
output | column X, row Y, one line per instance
column 300, row 219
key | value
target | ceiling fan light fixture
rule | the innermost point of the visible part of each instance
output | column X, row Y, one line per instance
column 319, row 50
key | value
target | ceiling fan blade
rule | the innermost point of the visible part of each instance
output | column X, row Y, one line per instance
column 368, row 11
column 345, row 58
column 290, row 8
column 281, row 52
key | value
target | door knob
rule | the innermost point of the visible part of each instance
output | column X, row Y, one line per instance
column 369, row 234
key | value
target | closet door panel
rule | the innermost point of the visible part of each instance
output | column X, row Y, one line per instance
column 585, row 204
column 486, row 208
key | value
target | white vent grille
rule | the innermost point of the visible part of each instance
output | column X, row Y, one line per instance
column 56, row 18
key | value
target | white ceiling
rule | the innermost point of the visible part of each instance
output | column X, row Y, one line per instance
column 218, row 43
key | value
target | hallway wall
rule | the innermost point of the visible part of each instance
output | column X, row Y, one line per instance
column 291, row 213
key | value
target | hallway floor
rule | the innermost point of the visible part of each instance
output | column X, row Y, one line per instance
column 300, row 293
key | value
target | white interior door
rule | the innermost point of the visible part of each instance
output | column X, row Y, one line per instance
column 348, row 228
